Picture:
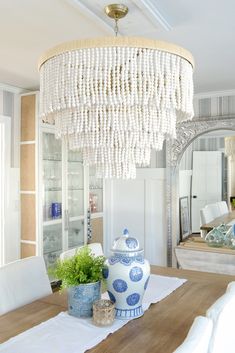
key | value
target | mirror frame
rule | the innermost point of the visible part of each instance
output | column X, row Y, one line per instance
column 186, row 131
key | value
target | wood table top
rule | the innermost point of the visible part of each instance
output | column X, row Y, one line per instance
column 199, row 244
column 226, row 218
column 161, row 329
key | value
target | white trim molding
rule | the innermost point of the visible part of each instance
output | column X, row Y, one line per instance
column 213, row 94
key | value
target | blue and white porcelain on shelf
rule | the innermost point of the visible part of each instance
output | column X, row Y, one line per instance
column 127, row 275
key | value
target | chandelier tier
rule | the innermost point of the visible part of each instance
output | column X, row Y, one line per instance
column 115, row 99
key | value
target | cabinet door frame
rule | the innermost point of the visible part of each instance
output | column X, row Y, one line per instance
column 43, row 128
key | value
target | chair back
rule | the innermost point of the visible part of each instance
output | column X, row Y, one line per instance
column 214, row 209
column 96, row 249
column 206, row 215
column 231, row 287
column 222, row 313
column 223, row 207
column 22, row 282
column 198, row 338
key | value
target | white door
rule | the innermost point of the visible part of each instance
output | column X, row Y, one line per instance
column 137, row 205
column 206, row 182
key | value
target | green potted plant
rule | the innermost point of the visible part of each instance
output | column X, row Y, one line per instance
column 81, row 275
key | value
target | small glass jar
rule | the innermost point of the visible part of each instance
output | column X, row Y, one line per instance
column 103, row 312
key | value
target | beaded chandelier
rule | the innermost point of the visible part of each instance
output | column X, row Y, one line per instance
column 117, row 98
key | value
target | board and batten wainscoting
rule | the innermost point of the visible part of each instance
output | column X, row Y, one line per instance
column 139, row 206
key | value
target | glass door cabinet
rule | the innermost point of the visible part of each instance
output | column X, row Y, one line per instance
column 70, row 197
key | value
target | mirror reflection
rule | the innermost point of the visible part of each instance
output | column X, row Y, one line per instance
column 204, row 179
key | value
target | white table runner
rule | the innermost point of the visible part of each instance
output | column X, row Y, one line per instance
column 67, row 334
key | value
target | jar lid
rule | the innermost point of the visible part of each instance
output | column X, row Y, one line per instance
column 126, row 244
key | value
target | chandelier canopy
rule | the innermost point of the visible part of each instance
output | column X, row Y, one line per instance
column 115, row 99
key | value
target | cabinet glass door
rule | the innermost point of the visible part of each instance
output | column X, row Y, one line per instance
column 52, row 177
column 76, row 234
column 52, row 198
column 75, row 199
column 52, row 243
column 95, row 192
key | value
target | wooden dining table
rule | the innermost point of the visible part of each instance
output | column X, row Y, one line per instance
column 226, row 218
column 161, row 329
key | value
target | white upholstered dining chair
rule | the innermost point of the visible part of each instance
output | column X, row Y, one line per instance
column 222, row 313
column 231, row 287
column 214, row 209
column 198, row 338
column 206, row 215
column 223, row 207
column 22, row 282
column 96, row 249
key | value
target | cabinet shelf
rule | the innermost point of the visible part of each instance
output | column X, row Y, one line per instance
column 53, row 189
column 75, row 189
column 52, row 159
column 51, row 222
column 48, row 251
column 75, row 161
column 76, row 218
column 91, row 189
column 96, row 215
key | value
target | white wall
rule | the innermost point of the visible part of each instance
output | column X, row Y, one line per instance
column 139, row 206
column 9, row 106
column 185, row 183
column 9, row 198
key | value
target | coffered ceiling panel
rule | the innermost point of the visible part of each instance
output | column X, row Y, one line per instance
column 144, row 16
column 206, row 28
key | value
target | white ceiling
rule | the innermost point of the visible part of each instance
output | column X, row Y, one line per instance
column 205, row 27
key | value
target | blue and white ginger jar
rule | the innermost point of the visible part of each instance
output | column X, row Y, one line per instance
column 127, row 275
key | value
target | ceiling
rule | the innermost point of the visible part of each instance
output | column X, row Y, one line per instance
column 206, row 28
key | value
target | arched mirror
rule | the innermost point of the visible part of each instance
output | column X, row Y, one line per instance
column 205, row 135
column 203, row 177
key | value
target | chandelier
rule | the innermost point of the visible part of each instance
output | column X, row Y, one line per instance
column 116, row 98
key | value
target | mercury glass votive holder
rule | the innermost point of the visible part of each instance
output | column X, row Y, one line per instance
column 103, row 312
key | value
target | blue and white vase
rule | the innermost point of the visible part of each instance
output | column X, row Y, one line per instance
column 127, row 275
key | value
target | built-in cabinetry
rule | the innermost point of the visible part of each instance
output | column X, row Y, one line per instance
column 61, row 200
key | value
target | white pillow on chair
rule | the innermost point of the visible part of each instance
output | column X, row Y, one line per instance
column 222, row 313
column 22, row 282
column 198, row 338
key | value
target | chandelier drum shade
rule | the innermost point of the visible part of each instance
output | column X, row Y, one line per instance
column 115, row 99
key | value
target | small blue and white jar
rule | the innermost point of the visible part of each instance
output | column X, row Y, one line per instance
column 82, row 297
column 127, row 275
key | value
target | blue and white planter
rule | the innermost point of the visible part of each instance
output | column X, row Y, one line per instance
column 127, row 275
column 82, row 297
